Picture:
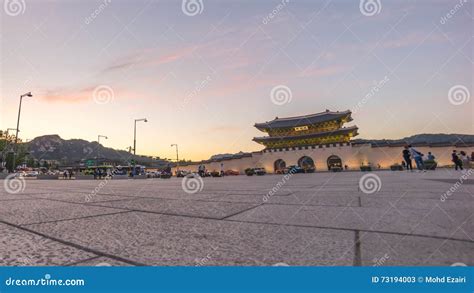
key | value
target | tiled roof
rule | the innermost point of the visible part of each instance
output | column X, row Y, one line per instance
column 345, row 130
column 304, row 120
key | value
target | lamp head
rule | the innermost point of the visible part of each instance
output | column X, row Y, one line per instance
column 145, row 120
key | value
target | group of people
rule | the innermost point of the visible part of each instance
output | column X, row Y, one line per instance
column 410, row 153
column 68, row 174
column 460, row 160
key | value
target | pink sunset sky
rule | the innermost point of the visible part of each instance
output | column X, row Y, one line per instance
column 203, row 80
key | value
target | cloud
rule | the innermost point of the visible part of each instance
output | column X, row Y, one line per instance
column 149, row 58
column 411, row 39
column 324, row 71
column 67, row 95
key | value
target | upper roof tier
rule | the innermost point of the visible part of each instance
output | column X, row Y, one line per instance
column 305, row 120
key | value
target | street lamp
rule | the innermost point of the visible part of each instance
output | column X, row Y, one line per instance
column 98, row 148
column 135, row 140
column 177, row 156
column 28, row 94
column 135, row 134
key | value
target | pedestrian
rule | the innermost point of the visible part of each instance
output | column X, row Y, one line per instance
column 456, row 160
column 65, row 174
column 418, row 157
column 222, row 169
column 430, row 156
column 407, row 158
column 465, row 160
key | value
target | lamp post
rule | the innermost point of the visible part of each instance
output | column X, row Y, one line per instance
column 135, row 134
column 177, row 156
column 135, row 140
column 28, row 94
column 98, row 148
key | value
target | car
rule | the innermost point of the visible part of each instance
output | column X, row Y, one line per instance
column 216, row 174
column 259, row 171
column 165, row 175
column 150, row 174
column 192, row 175
column 293, row 169
column 231, row 173
column 31, row 174
column 182, row 173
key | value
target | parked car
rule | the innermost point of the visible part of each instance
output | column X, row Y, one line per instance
column 192, row 175
column 231, row 173
column 293, row 170
column 259, row 171
column 31, row 174
column 216, row 174
column 182, row 173
column 151, row 174
column 165, row 175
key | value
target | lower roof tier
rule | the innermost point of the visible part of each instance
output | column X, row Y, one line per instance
column 339, row 135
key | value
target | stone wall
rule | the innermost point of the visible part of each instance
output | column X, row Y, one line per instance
column 352, row 156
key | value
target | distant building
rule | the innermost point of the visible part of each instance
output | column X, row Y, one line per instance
column 321, row 142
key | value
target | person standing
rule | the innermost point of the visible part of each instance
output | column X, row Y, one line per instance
column 407, row 158
column 465, row 160
column 457, row 162
column 418, row 157
column 430, row 156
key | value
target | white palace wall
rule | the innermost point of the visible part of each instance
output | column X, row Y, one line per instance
column 351, row 155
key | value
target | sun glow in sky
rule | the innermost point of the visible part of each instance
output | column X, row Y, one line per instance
column 203, row 80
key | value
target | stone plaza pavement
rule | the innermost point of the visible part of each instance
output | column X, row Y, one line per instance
column 321, row 219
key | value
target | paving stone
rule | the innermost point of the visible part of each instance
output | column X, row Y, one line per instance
column 216, row 210
column 22, row 248
column 399, row 250
column 170, row 240
column 413, row 221
column 22, row 212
